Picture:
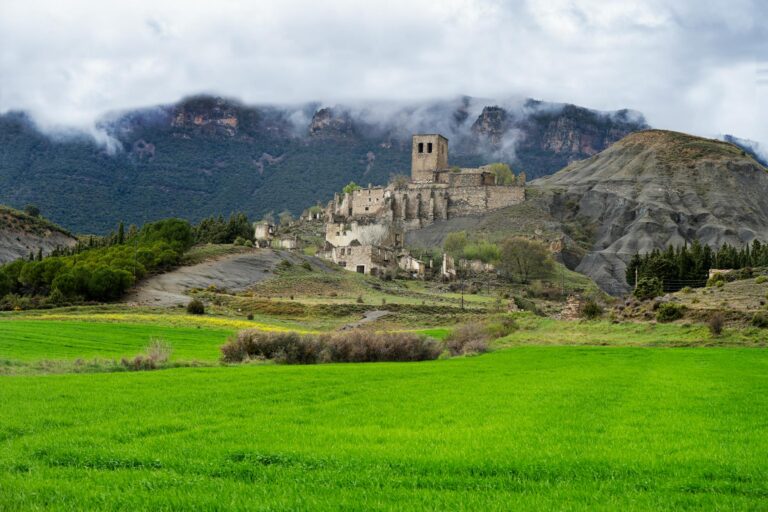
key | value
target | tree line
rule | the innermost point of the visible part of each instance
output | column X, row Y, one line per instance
column 678, row 267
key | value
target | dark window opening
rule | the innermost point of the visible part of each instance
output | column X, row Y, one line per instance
column 429, row 147
column 421, row 147
column 361, row 269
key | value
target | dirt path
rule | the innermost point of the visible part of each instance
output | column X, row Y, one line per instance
column 234, row 272
column 369, row 316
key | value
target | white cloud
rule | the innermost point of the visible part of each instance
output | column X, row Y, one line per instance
column 689, row 65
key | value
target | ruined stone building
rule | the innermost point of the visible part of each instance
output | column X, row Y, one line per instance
column 378, row 217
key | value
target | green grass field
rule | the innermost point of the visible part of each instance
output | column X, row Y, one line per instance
column 527, row 428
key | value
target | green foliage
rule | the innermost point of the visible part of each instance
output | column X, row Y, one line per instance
column 590, row 310
column 669, row 312
column 101, row 272
column 685, row 266
column 196, row 307
column 216, row 230
column 648, row 288
column 503, row 174
column 455, row 243
column 32, row 210
column 760, row 320
column 761, row 279
column 484, row 251
column 350, row 187
column 523, row 259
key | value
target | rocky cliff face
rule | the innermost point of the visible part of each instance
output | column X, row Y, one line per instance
column 331, row 123
column 21, row 235
column 655, row 188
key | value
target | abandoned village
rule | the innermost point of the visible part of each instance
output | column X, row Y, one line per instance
column 364, row 228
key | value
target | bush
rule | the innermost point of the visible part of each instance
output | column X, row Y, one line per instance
column 717, row 278
column 760, row 319
column 196, row 307
column 590, row 310
column 239, row 241
column 306, row 266
column 471, row 338
column 284, row 265
column 761, row 279
column 716, row 322
column 669, row 312
column 648, row 288
column 360, row 299
column 250, row 316
column 503, row 326
column 350, row 346
column 157, row 354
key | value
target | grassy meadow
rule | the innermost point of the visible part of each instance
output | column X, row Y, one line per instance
column 528, row 428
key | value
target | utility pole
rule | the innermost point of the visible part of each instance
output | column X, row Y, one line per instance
column 636, row 273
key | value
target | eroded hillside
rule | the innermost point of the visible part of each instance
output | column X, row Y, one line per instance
column 654, row 188
column 22, row 234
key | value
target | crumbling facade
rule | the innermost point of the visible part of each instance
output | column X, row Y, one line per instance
column 379, row 216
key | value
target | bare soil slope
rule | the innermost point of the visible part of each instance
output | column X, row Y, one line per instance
column 235, row 272
column 21, row 234
column 655, row 188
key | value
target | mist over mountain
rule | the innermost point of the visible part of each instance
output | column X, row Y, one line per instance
column 207, row 155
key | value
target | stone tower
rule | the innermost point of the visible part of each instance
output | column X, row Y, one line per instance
column 429, row 154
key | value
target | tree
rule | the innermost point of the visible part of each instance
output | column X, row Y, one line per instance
column 648, row 288
column 455, row 243
column 350, row 187
column 503, row 174
column 523, row 259
column 32, row 210
column 285, row 218
column 121, row 233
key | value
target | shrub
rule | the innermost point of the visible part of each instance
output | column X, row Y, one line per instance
column 196, row 307
column 250, row 316
column 761, row 279
column 716, row 322
column 360, row 299
column 471, row 338
column 248, row 243
column 720, row 284
column 157, row 354
column 503, row 326
column 590, row 310
column 648, row 288
column 349, row 346
column 284, row 265
column 669, row 312
column 717, row 278
column 760, row 319
column 240, row 241
column 687, row 289
column 306, row 266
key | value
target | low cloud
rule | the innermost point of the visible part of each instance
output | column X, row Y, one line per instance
column 691, row 65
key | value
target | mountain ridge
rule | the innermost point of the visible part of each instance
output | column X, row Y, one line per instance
column 208, row 155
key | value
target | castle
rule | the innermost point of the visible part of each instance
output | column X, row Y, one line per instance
column 365, row 228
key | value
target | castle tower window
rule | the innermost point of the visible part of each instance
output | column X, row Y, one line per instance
column 421, row 147
column 429, row 147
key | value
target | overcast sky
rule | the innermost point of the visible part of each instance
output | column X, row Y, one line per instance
column 694, row 65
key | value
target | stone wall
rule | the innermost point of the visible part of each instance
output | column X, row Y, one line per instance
column 366, row 259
